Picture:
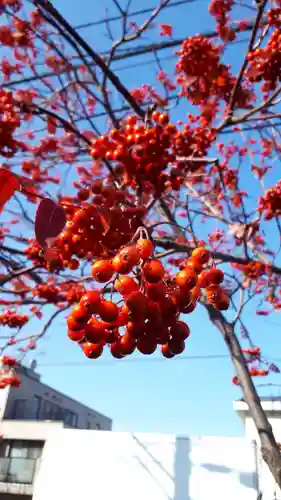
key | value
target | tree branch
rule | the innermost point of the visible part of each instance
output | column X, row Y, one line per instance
column 269, row 447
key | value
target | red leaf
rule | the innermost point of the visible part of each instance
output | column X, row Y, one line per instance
column 9, row 183
column 51, row 125
column 49, row 221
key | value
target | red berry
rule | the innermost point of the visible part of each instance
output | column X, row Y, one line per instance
column 91, row 302
column 137, row 304
column 145, row 248
column 156, row 292
column 153, row 271
column 102, row 270
column 76, row 336
column 93, row 351
column 180, row 330
column 94, row 331
column 216, row 276
column 130, row 254
column 108, row 311
column 120, row 265
column 127, row 344
column 186, row 279
column 125, row 285
column 176, row 346
column 201, row 255
column 146, row 345
column 165, row 351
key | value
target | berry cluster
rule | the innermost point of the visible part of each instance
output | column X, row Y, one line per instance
column 15, row 5
column 9, row 121
column 142, row 152
column 274, row 17
column 219, row 9
column 9, row 361
column 89, row 234
column 253, row 270
column 48, row 292
column 13, row 381
column 265, row 63
column 13, row 320
column 148, row 313
column 270, row 203
column 254, row 372
column 7, row 372
column 202, row 76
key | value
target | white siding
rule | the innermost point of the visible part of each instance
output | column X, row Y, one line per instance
column 122, row 466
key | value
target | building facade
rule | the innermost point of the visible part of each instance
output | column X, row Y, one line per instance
column 272, row 408
column 34, row 400
column 28, row 416
column 43, row 460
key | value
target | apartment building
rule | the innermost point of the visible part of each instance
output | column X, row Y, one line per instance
column 28, row 415
column 34, row 400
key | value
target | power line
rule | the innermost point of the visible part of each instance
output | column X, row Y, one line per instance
column 124, row 54
column 131, row 14
column 149, row 359
column 136, row 360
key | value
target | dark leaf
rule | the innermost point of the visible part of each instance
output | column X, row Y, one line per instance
column 49, row 222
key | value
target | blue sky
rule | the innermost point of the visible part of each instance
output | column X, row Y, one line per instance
column 184, row 396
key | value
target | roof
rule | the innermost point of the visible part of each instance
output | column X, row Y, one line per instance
column 264, row 398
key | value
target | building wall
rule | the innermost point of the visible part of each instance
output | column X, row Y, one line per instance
column 122, row 466
column 31, row 389
column 4, row 394
column 28, row 430
column 8, row 496
column 273, row 412
column 267, row 482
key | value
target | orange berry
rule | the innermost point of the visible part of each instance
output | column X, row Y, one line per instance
column 102, row 270
column 186, row 279
column 153, row 271
column 125, row 285
column 145, row 248
column 201, row 255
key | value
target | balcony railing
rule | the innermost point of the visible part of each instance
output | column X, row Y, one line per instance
column 17, row 470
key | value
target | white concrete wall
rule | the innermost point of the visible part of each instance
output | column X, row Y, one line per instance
column 121, row 466
column 29, row 430
column 4, row 394
column 267, row 482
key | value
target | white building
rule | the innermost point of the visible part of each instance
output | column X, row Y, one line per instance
column 28, row 415
column 272, row 407
column 49, row 461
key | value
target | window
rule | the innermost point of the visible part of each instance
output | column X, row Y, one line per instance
column 70, row 418
column 18, row 460
column 37, row 407
column 47, row 410
column 20, row 407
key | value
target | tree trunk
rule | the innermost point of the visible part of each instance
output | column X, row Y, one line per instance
column 269, row 447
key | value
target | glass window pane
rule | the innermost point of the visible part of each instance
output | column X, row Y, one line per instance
column 19, row 409
column 21, row 471
column 4, row 467
column 19, row 449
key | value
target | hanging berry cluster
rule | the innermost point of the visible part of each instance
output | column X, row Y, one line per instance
column 265, row 63
column 220, row 9
column 13, row 319
column 8, row 376
column 270, row 203
column 202, row 76
column 148, row 313
column 142, row 152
